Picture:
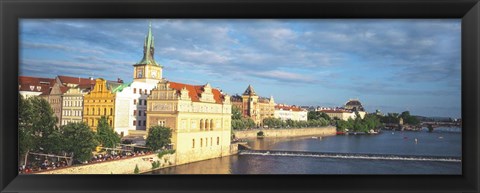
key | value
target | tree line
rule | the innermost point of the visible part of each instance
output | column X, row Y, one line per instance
column 37, row 132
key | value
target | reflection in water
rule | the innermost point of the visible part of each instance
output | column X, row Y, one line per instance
column 212, row 166
column 442, row 142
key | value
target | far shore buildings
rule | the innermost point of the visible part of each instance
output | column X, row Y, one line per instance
column 294, row 113
column 348, row 111
column 254, row 106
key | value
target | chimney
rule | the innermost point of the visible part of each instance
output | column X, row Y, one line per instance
column 119, row 80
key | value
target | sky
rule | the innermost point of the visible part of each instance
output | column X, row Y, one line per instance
column 393, row 65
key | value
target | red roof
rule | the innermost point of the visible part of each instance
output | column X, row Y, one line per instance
column 76, row 80
column 287, row 108
column 195, row 91
column 28, row 83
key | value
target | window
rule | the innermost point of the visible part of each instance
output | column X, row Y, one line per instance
column 139, row 123
column 134, row 90
column 110, row 123
column 134, row 123
column 134, row 112
column 134, row 101
column 144, row 123
column 144, row 102
column 145, row 91
column 104, row 111
column 218, row 140
column 201, row 142
column 193, row 143
column 140, row 91
column 111, row 111
column 211, row 141
column 206, row 142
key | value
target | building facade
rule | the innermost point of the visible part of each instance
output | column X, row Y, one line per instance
column 72, row 99
column 55, row 98
column 254, row 106
column 343, row 114
column 72, row 107
column 285, row 112
column 100, row 102
column 199, row 116
column 131, row 98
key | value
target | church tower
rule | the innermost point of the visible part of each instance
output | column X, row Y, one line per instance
column 148, row 70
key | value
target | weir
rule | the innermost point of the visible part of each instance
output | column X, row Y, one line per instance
column 338, row 155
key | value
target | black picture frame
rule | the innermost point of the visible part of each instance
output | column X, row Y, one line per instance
column 468, row 10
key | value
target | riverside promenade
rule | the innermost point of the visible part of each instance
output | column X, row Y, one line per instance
column 122, row 166
column 291, row 132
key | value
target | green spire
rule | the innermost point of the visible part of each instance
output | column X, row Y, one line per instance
column 148, row 49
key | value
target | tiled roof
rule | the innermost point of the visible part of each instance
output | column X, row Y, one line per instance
column 288, row 108
column 195, row 91
column 354, row 102
column 76, row 80
column 28, row 83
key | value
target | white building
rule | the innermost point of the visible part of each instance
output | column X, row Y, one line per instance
column 294, row 113
column 131, row 98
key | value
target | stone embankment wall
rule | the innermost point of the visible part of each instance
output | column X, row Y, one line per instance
column 123, row 166
column 293, row 132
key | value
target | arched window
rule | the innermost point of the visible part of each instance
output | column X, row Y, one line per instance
column 202, row 124
column 111, row 111
column 207, row 125
column 104, row 111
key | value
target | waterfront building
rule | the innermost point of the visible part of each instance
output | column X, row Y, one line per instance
column 100, row 102
column 55, row 98
column 35, row 86
column 354, row 105
column 131, row 98
column 254, row 106
column 343, row 114
column 72, row 99
column 199, row 116
column 286, row 112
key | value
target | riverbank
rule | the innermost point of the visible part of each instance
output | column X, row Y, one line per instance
column 124, row 166
column 292, row 132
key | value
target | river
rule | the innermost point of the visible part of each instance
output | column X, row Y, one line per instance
column 399, row 144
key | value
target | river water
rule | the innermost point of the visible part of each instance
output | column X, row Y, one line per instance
column 443, row 142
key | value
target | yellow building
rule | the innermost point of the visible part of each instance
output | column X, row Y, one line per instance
column 199, row 116
column 100, row 102
column 254, row 106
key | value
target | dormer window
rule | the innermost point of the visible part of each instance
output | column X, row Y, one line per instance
column 39, row 88
column 32, row 87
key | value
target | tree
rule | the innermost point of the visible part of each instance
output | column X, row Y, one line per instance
column 105, row 135
column 79, row 140
column 317, row 115
column 36, row 121
column 158, row 137
column 236, row 113
column 136, row 170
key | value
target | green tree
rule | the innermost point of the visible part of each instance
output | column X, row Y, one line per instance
column 36, row 121
column 136, row 170
column 317, row 115
column 236, row 113
column 105, row 135
column 158, row 137
column 79, row 140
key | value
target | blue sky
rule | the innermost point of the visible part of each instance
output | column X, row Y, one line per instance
column 391, row 65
